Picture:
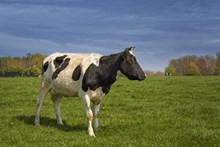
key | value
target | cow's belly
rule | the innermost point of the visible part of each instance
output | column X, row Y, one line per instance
column 65, row 87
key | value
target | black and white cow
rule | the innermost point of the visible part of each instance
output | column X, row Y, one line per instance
column 89, row 76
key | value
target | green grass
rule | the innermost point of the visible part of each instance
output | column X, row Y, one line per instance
column 160, row 111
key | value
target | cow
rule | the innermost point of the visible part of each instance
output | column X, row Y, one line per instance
column 89, row 76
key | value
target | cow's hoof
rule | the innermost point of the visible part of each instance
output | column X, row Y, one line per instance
column 37, row 124
column 91, row 134
column 96, row 125
column 60, row 124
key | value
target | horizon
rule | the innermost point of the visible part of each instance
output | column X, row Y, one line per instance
column 160, row 30
column 146, row 70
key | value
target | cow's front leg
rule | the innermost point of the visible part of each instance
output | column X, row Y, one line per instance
column 96, row 115
column 89, row 114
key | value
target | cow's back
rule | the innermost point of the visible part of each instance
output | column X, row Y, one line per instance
column 61, row 68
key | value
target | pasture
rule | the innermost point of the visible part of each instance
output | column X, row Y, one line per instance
column 160, row 111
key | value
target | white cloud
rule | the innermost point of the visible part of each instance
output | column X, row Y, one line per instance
column 17, row 46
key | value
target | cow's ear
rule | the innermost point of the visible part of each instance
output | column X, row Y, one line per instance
column 129, row 49
column 127, row 52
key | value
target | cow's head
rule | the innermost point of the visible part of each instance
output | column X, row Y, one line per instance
column 130, row 67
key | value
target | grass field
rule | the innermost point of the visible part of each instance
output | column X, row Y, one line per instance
column 160, row 111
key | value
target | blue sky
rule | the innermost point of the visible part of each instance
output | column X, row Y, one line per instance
column 159, row 29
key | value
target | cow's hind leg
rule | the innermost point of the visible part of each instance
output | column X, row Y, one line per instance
column 45, row 87
column 96, row 115
column 56, row 101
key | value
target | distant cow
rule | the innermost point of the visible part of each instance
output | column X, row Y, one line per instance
column 90, row 76
column 168, row 74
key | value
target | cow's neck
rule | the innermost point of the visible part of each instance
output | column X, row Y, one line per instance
column 109, row 66
column 103, row 75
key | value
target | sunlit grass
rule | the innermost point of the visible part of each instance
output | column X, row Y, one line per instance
column 160, row 111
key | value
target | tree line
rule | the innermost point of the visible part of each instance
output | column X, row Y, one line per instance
column 29, row 65
column 194, row 65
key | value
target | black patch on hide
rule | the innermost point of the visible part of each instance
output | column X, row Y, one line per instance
column 103, row 75
column 60, row 68
column 45, row 66
column 76, row 73
column 59, row 60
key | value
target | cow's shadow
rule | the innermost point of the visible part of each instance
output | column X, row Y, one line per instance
column 49, row 122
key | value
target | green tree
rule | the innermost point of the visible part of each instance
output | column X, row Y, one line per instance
column 217, row 64
column 35, row 71
column 29, row 56
column 26, row 66
column 192, row 69
column 37, row 60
